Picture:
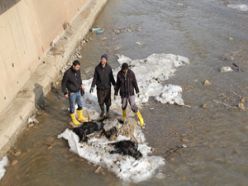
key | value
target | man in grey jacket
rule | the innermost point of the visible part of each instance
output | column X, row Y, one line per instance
column 103, row 78
column 126, row 84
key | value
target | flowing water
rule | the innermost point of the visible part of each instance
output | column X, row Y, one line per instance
column 215, row 130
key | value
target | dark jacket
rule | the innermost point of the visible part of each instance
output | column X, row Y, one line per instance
column 103, row 77
column 127, row 84
column 71, row 81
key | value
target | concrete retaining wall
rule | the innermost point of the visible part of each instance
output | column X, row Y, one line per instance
column 27, row 28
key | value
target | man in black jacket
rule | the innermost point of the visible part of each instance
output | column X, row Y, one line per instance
column 103, row 78
column 73, row 89
column 126, row 84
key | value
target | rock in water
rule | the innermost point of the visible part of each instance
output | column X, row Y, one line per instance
column 226, row 69
column 14, row 162
column 207, row 83
column 98, row 170
column 241, row 104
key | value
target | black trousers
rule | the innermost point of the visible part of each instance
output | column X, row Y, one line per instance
column 104, row 97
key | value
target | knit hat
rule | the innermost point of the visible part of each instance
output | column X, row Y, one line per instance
column 104, row 56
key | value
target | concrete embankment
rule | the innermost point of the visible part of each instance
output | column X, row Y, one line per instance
column 37, row 40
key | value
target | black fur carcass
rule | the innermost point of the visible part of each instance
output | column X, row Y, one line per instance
column 126, row 147
column 87, row 128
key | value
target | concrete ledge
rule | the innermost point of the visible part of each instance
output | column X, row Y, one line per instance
column 14, row 119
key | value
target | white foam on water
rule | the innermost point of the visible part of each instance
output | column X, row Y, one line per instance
column 3, row 164
column 240, row 7
column 150, row 73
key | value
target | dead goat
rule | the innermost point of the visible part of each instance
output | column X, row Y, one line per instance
column 111, row 133
column 88, row 128
column 126, row 147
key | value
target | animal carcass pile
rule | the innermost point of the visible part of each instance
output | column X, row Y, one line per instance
column 117, row 146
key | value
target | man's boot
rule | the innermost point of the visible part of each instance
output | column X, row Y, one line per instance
column 74, row 120
column 124, row 115
column 80, row 115
column 140, row 118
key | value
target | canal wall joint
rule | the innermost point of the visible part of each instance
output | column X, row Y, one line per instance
column 37, row 39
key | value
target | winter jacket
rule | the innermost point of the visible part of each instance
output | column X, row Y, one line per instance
column 126, row 84
column 103, row 77
column 71, row 81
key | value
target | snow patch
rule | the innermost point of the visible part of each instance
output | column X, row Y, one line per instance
column 3, row 164
column 96, row 151
column 171, row 94
column 240, row 7
column 226, row 69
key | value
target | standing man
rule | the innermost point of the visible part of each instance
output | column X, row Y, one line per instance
column 103, row 78
column 73, row 89
column 126, row 83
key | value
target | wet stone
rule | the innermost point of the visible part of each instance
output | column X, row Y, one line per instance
column 242, row 106
column 50, row 147
column 117, row 31
column 31, row 125
column 185, row 140
column 207, row 83
column 204, row 106
column 98, row 170
column 14, row 162
column 17, row 153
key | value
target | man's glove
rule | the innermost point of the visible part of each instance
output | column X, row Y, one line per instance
column 138, row 95
column 91, row 89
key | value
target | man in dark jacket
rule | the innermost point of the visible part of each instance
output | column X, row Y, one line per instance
column 103, row 78
column 126, row 84
column 73, row 89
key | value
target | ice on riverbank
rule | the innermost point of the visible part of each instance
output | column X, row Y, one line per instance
column 151, row 73
column 240, row 7
column 3, row 164
column 96, row 151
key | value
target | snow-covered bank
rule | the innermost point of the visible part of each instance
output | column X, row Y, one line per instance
column 240, row 7
column 151, row 74
column 3, row 164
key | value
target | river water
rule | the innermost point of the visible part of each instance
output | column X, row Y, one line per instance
column 215, row 130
